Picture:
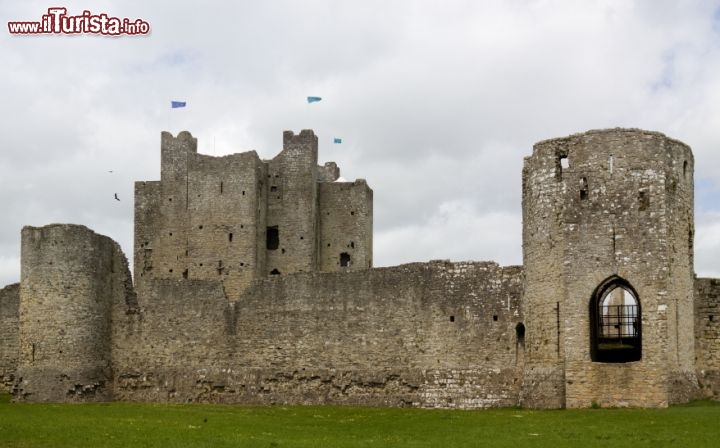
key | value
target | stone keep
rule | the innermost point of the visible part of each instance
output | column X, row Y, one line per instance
column 603, row 211
column 237, row 218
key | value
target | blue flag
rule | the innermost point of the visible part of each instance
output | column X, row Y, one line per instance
column 313, row 99
column 176, row 104
column 337, row 140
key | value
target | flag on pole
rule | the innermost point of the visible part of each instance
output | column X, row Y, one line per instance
column 337, row 140
column 176, row 104
column 313, row 99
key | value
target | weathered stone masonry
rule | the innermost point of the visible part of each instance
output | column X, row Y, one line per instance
column 254, row 284
column 9, row 303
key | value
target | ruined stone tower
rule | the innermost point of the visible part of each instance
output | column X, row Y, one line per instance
column 71, row 277
column 608, row 257
column 238, row 218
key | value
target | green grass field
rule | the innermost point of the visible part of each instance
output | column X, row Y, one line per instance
column 194, row 425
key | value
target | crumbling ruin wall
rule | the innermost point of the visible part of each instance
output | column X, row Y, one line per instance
column 9, row 304
column 707, row 335
column 435, row 334
column 70, row 279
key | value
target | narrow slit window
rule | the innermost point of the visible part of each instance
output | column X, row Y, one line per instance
column 345, row 260
column 273, row 238
column 643, row 200
column 583, row 189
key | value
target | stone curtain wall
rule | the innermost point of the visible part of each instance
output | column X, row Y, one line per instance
column 707, row 335
column 70, row 279
column 438, row 334
column 9, row 304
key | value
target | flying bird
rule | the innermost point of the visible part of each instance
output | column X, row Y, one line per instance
column 116, row 198
column 313, row 99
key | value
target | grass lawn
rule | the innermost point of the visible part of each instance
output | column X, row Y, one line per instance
column 155, row 425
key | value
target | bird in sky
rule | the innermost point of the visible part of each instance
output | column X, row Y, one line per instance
column 116, row 197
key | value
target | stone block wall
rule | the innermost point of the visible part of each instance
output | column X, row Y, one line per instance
column 237, row 218
column 707, row 335
column 611, row 204
column 435, row 335
column 70, row 278
column 346, row 220
column 9, row 350
column 292, row 205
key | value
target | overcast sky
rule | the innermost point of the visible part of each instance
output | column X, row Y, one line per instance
column 437, row 103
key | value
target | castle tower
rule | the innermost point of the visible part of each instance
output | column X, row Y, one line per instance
column 70, row 279
column 608, row 255
column 237, row 218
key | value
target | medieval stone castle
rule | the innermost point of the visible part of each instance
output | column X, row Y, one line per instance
column 253, row 283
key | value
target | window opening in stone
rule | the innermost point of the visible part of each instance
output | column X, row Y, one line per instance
column 352, row 213
column 170, row 233
column 243, row 192
column 711, row 317
column 495, row 318
column 221, row 188
column 520, row 333
column 274, row 272
column 452, row 318
column 230, row 237
column 273, row 188
column 171, row 270
column 561, row 162
column 685, row 168
column 583, row 189
column 282, row 250
column 352, row 244
column 185, row 273
column 344, row 259
column 273, row 238
column 643, row 200
column 615, row 317
column 200, row 227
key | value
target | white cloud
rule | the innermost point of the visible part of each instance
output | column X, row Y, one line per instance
column 437, row 103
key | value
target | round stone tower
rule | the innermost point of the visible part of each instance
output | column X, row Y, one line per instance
column 70, row 277
column 608, row 256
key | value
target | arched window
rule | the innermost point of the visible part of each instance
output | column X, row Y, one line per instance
column 615, row 322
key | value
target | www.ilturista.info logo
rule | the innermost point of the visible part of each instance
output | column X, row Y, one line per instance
column 56, row 21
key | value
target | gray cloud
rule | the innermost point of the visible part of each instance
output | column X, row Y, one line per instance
column 437, row 103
